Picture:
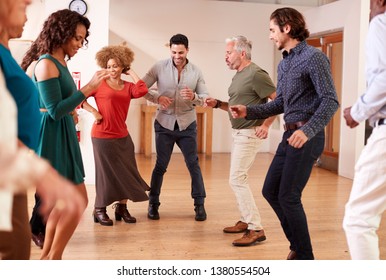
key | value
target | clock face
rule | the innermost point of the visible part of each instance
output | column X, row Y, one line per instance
column 78, row 6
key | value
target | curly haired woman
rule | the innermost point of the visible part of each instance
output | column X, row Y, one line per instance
column 117, row 176
column 63, row 34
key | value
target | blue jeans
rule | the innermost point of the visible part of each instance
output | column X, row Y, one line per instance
column 286, row 178
column 186, row 140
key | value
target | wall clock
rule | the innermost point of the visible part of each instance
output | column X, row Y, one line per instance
column 78, row 6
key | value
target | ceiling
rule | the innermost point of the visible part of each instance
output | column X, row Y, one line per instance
column 312, row 3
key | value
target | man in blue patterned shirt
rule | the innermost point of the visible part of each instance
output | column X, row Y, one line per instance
column 307, row 97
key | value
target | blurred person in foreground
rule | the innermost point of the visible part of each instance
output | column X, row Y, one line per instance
column 20, row 168
column 367, row 200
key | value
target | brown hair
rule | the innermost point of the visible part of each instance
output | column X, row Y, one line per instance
column 59, row 27
column 123, row 55
column 291, row 17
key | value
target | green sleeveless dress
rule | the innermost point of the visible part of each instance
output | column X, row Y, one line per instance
column 58, row 142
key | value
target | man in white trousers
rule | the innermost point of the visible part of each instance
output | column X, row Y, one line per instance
column 250, row 85
column 367, row 200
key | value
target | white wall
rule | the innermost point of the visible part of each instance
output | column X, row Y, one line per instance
column 352, row 17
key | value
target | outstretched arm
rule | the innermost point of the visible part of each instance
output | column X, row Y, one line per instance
column 215, row 103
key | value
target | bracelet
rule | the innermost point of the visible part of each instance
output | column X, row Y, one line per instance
column 218, row 104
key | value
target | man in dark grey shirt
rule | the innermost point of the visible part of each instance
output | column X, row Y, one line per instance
column 181, row 87
column 307, row 97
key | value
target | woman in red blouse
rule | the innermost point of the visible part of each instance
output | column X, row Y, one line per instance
column 117, row 177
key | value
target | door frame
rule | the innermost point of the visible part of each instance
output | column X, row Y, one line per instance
column 324, row 41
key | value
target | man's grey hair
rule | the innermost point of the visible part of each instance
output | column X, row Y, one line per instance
column 241, row 44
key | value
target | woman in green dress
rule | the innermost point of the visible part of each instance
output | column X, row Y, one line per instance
column 63, row 34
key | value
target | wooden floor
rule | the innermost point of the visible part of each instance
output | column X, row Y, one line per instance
column 177, row 236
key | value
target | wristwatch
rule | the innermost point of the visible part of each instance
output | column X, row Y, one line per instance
column 218, row 104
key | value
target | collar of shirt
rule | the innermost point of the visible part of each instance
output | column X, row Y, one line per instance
column 299, row 47
column 187, row 61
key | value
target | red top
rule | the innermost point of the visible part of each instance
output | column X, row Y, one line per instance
column 113, row 105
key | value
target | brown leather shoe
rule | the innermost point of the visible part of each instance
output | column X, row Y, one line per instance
column 38, row 239
column 100, row 216
column 237, row 228
column 250, row 237
column 292, row 255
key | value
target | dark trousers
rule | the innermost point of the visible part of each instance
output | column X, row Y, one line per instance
column 286, row 178
column 16, row 244
column 37, row 222
column 186, row 140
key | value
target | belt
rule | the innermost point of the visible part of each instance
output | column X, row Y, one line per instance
column 293, row 126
